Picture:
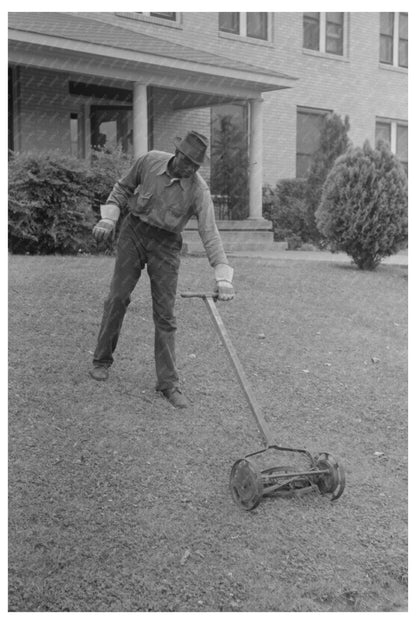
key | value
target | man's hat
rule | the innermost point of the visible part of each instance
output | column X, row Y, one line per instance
column 194, row 146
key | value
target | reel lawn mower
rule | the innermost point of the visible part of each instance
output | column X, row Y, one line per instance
column 274, row 470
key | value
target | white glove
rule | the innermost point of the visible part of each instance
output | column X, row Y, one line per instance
column 106, row 226
column 224, row 278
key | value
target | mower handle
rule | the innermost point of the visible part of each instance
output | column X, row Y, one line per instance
column 209, row 300
column 188, row 295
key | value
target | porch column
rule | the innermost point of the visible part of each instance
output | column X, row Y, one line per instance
column 255, row 180
column 140, row 138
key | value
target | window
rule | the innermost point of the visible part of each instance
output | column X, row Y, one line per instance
column 157, row 17
column 168, row 16
column 324, row 32
column 334, row 33
column 308, row 132
column 394, row 39
column 395, row 134
column 229, row 22
column 257, row 25
column 311, row 31
column 253, row 25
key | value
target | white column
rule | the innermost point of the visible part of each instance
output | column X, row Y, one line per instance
column 256, row 159
column 140, row 139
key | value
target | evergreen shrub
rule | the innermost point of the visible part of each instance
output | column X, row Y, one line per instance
column 49, row 204
column 288, row 211
column 54, row 200
column 333, row 141
column 363, row 210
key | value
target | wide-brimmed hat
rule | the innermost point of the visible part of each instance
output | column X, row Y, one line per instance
column 194, row 145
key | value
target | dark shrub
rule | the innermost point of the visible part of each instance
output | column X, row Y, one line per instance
column 288, row 210
column 333, row 142
column 49, row 204
column 364, row 205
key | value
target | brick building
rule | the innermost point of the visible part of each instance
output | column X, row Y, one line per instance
column 139, row 79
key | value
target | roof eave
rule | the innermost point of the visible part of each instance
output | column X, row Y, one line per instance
column 261, row 82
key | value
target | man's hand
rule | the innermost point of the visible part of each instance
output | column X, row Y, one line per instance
column 225, row 290
column 109, row 217
column 223, row 278
column 103, row 230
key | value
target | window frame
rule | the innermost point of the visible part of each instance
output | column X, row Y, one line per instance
column 323, row 35
column 393, row 124
column 396, row 40
column 242, row 28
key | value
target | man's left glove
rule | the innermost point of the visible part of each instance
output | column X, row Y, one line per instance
column 106, row 226
column 224, row 282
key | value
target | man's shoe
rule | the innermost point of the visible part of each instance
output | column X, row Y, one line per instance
column 176, row 398
column 99, row 373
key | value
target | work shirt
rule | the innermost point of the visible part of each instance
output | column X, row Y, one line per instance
column 168, row 203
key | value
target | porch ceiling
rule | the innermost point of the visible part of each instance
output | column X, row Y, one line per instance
column 66, row 42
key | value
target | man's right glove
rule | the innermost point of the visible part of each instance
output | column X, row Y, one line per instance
column 224, row 278
column 106, row 226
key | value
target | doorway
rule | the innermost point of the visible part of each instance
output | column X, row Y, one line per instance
column 112, row 128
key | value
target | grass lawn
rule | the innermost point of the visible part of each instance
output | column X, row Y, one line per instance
column 118, row 502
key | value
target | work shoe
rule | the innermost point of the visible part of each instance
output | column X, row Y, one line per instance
column 99, row 373
column 175, row 397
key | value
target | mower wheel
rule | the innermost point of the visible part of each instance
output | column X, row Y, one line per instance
column 334, row 481
column 246, row 484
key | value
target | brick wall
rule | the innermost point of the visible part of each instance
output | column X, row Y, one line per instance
column 355, row 85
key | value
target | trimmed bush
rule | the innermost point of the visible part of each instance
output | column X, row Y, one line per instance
column 363, row 210
column 49, row 204
column 54, row 200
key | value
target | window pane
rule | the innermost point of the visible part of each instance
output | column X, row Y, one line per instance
column 403, row 21
column 402, row 143
column 229, row 22
column 403, row 54
column 386, row 24
column 335, row 18
column 334, row 33
column 169, row 16
column 403, row 51
column 311, row 31
column 386, row 49
column 383, row 132
column 257, row 25
column 308, row 133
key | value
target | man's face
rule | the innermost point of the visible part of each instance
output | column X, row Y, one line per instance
column 182, row 166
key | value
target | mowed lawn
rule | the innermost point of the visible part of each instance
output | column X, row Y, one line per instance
column 118, row 502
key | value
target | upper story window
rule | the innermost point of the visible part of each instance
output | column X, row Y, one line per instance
column 254, row 25
column 324, row 32
column 168, row 16
column 158, row 17
column 394, row 39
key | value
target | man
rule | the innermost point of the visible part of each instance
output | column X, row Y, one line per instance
column 163, row 191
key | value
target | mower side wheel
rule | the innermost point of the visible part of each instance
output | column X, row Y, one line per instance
column 334, row 481
column 245, row 484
